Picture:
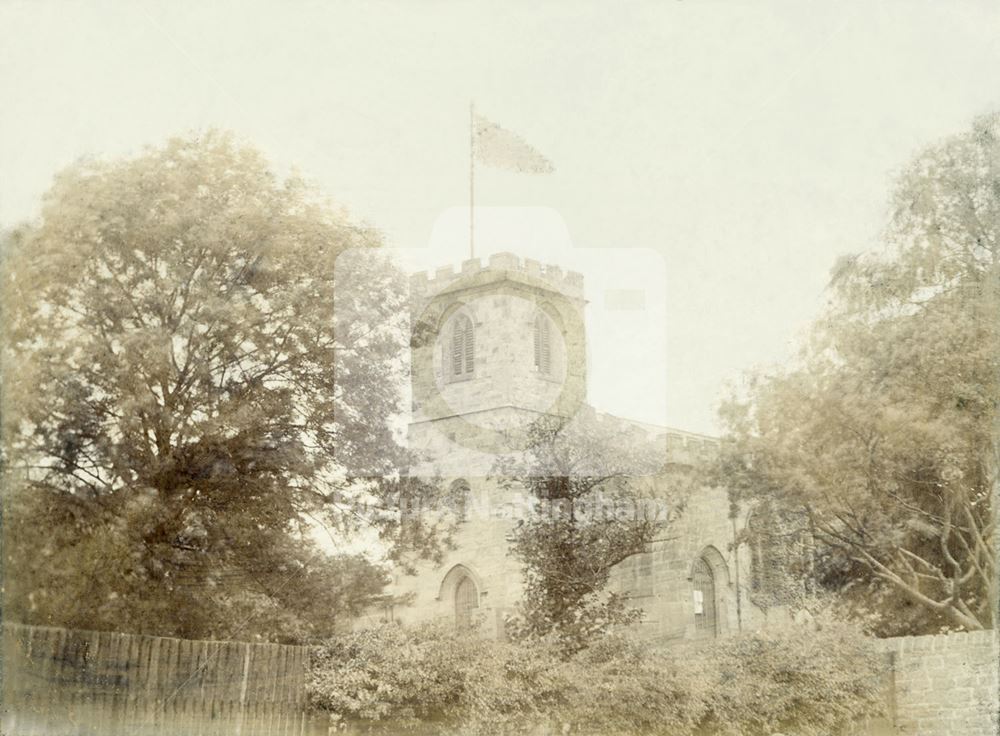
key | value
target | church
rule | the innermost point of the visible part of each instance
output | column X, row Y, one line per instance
column 495, row 346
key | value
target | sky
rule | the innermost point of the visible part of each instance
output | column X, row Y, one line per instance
column 714, row 157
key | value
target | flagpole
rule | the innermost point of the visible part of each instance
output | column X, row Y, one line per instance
column 472, row 179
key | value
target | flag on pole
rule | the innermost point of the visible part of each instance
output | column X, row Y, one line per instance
column 502, row 149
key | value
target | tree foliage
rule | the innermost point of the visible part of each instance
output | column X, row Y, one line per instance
column 183, row 404
column 884, row 434
column 600, row 496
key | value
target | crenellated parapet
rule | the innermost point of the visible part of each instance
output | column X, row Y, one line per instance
column 679, row 445
column 425, row 285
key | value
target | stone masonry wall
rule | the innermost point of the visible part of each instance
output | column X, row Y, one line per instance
column 481, row 551
column 945, row 685
column 502, row 300
column 462, row 424
column 660, row 581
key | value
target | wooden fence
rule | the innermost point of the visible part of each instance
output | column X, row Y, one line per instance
column 65, row 683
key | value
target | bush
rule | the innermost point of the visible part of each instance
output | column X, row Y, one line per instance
column 389, row 679
column 618, row 686
column 808, row 681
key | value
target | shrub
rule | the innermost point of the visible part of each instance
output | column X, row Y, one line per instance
column 389, row 674
column 389, row 679
column 618, row 686
column 808, row 680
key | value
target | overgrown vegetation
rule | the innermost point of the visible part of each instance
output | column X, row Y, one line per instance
column 808, row 680
column 594, row 505
column 882, row 437
column 183, row 404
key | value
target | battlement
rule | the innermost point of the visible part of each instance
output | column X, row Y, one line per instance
column 424, row 284
column 675, row 439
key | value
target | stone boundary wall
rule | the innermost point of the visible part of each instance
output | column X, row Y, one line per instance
column 944, row 685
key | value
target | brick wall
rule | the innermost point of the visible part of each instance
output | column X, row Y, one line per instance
column 945, row 685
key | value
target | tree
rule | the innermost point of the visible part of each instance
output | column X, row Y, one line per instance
column 884, row 434
column 599, row 495
column 183, row 405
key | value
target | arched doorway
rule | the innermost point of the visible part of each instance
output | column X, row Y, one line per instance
column 466, row 602
column 706, row 619
column 460, row 591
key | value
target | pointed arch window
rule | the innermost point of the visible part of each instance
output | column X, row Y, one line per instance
column 543, row 344
column 463, row 347
column 459, row 496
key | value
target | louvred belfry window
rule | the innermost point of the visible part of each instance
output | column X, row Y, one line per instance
column 543, row 345
column 463, row 347
column 470, row 345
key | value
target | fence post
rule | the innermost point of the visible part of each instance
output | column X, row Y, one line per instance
column 243, row 689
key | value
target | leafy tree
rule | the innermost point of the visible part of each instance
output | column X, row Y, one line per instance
column 884, row 433
column 597, row 501
column 184, row 406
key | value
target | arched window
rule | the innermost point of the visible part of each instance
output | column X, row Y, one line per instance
column 543, row 344
column 463, row 347
column 466, row 602
column 706, row 620
column 458, row 495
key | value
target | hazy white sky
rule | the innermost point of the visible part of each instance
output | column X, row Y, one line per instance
column 746, row 143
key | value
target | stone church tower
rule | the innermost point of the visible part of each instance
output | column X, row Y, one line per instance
column 494, row 347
